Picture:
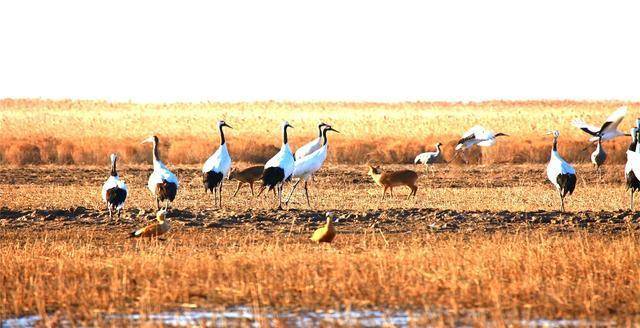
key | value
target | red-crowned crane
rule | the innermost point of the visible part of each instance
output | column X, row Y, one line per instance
column 163, row 184
column 561, row 174
column 305, row 167
column 217, row 167
column 312, row 145
column 609, row 128
column 114, row 190
column 478, row 135
column 280, row 167
column 632, row 168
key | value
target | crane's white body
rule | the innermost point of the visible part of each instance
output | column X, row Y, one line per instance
column 309, row 148
column 283, row 159
column 219, row 162
column 633, row 157
column 113, row 182
column 609, row 129
column 477, row 135
column 305, row 167
column 429, row 157
column 557, row 166
column 160, row 173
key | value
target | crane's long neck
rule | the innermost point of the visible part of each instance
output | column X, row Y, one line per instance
column 222, row 141
column 319, row 131
column 555, row 146
column 324, row 135
column 438, row 149
column 114, row 172
column 285, row 140
column 156, row 156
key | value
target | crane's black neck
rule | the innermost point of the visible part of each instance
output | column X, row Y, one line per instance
column 156, row 156
column 555, row 144
column 114, row 172
column 324, row 135
column 285, row 140
column 222, row 141
column 320, row 130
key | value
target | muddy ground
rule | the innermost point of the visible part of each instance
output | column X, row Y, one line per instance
column 50, row 197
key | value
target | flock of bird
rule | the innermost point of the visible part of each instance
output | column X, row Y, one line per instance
column 286, row 166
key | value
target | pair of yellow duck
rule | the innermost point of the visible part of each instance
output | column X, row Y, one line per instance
column 323, row 234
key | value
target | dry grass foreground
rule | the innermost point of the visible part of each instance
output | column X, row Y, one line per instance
column 85, row 132
column 83, row 273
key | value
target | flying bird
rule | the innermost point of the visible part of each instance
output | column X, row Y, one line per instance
column 608, row 130
column 480, row 136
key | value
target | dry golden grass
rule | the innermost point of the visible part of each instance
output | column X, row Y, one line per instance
column 84, row 272
column 85, row 132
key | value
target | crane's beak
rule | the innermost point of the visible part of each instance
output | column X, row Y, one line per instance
column 332, row 129
column 227, row 125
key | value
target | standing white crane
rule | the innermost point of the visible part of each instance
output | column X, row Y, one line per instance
column 561, row 174
column 305, row 167
column 114, row 190
column 280, row 167
column 217, row 167
column 598, row 157
column 632, row 168
column 429, row 158
column 163, row 184
column 609, row 128
column 312, row 145
column 478, row 135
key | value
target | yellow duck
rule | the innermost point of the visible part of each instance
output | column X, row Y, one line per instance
column 327, row 233
column 154, row 229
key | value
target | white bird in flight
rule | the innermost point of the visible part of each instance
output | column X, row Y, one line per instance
column 608, row 130
column 478, row 135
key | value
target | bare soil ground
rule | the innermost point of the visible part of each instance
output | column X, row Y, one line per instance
column 452, row 199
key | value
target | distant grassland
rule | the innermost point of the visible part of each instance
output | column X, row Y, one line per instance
column 85, row 132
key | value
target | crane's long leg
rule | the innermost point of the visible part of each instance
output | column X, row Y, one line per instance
column 238, row 188
column 292, row 190
column 261, row 190
column 306, row 193
column 561, row 202
column 251, row 187
column 109, row 208
column 220, row 194
column 215, row 196
column 280, row 197
column 631, row 194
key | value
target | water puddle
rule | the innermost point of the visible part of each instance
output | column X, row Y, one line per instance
column 246, row 316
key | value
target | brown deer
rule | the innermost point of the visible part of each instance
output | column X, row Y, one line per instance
column 248, row 175
column 391, row 179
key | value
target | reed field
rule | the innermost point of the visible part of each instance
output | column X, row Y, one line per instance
column 85, row 132
column 482, row 244
column 87, row 272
